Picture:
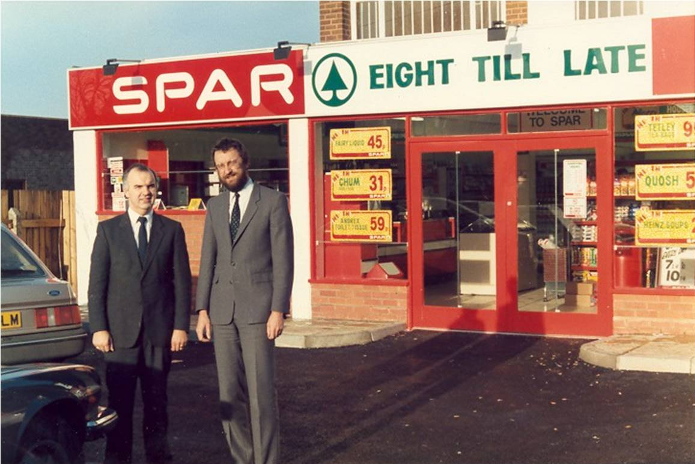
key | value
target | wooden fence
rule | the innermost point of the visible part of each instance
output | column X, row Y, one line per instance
column 45, row 220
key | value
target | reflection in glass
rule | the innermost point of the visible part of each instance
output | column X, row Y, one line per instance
column 459, row 230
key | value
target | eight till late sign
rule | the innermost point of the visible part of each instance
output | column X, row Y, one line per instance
column 659, row 132
column 361, row 143
column 366, row 184
column 361, row 226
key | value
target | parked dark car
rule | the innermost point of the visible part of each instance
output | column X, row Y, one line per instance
column 49, row 411
column 40, row 317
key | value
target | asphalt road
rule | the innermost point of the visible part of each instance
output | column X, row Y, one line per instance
column 430, row 397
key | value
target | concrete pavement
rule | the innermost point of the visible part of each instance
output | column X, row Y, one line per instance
column 649, row 353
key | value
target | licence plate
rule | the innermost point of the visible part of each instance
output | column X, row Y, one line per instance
column 12, row 320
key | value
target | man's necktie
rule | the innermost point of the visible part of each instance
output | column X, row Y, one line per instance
column 142, row 239
column 236, row 217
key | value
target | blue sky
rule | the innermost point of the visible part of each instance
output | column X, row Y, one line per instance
column 40, row 41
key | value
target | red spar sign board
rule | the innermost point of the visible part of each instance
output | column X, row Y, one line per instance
column 220, row 88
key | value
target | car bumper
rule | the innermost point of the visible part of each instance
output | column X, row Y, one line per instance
column 104, row 423
column 17, row 349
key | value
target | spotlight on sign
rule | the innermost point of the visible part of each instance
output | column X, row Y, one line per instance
column 282, row 51
column 498, row 31
column 109, row 69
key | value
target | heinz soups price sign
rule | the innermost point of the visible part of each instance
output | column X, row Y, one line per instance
column 361, row 226
column 360, row 143
column 661, row 132
column 359, row 185
column 665, row 227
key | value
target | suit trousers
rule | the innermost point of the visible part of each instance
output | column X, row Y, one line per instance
column 124, row 366
column 248, row 400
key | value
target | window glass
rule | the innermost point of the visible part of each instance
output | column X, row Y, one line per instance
column 182, row 160
column 359, row 237
column 467, row 124
column 16, row 263
column 653, row 188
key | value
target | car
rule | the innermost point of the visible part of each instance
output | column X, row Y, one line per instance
column 49, row 410
column 41, row 320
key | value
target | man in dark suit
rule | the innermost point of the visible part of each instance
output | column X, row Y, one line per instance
column 139, row 312
column 244, row 286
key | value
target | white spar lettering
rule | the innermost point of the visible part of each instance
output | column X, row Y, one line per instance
column 123, row 92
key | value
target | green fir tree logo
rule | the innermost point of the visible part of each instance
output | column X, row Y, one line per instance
column 334, row 79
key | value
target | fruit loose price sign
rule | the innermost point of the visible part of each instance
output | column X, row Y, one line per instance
column 361, row 226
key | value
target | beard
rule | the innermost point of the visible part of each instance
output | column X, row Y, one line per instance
column 235, row 182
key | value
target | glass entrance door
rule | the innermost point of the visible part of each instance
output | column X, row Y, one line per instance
column 457, row 279
column 505, row 236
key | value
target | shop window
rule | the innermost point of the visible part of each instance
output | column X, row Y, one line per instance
column 591, row 9
column 467, row 124
column 654, row 194
column 182, row 160
column 571, row 119
column 361, row 215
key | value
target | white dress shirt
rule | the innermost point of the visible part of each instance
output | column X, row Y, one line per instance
column 133, row 216
column 244, row 198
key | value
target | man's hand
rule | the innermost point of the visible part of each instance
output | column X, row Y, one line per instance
column 178, row 340
column 203, row 329
column 276, row 322
column 102, row 341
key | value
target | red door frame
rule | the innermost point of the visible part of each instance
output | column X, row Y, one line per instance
column 507, row 318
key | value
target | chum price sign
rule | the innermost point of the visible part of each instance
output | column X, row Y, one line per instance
column 361, row 226
column 359, row 185
column 660, row 132
column 665, row 227
column 665, row 181
column 360, row 143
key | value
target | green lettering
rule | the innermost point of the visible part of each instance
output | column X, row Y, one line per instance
column 376, row 75
column 481, row 66
column 508, row 74
column 528, row 74
column 404, row 75
column 594, row 62
column 615, row 57
column 568, row 65
column 633, row 53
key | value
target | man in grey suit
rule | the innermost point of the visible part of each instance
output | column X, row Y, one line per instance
column 139, row 312
column 244, row 286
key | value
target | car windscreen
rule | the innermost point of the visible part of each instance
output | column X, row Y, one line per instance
column 16, row 262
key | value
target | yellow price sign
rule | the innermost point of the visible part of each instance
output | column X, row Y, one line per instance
column 360, row 143
column 660, row 132
column 665, row 181
column 665, row 227
column 366, row 184
column 361, row 226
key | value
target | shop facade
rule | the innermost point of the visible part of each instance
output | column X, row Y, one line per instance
column 540, row 184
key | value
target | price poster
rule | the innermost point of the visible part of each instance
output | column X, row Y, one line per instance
column 665, row 227
column 574, row 178
column 361, row 226
column 676, row 267
column 665, row 181
column 359, row 185
column 660, row 132
column 360, row 143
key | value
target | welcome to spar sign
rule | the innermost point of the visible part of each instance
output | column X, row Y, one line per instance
column 219, row 88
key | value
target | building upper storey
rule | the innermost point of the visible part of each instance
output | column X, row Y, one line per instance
column 370, row 19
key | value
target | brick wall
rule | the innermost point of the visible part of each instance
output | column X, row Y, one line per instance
column 360, row 302
column 517, row 13
column 335, row 20
column 658, row 314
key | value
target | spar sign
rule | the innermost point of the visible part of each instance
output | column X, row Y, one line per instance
column 219, row 88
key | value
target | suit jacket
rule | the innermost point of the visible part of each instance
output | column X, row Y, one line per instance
column 247, row 281
column 126, row 296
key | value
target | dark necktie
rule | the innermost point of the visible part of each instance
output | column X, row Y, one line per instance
column 142, row 239
column 236, row 217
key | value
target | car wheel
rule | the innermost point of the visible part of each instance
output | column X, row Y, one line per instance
column 49, row 439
